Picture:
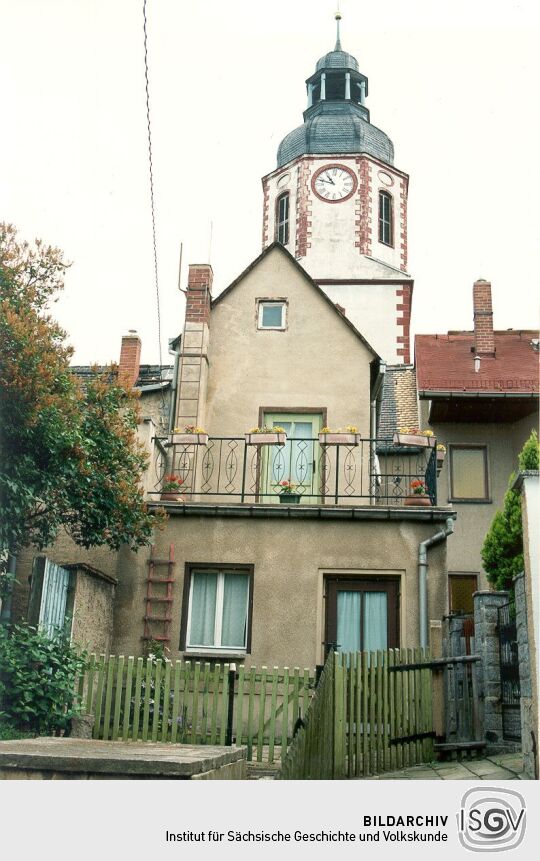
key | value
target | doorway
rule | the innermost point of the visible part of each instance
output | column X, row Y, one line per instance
column 362, row 614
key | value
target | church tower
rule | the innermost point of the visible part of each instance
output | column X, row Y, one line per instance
column 339, row 205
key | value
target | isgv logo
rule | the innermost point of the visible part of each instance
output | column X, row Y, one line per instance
column 491, row 819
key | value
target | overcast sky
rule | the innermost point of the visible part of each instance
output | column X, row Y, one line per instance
column 454, row 85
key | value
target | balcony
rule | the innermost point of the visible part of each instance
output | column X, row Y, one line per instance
column 373, row 472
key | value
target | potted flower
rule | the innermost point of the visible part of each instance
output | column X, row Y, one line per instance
column 171, row 487
column 416, row 437
column 349, row 436
column 266, row 436
column 419, row 494
column 190, row 435
column 288, row 492
column 441, row 454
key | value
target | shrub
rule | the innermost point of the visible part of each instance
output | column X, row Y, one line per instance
column 502, row 553
column 37, row 679
column 9, row 732
column 529, row 455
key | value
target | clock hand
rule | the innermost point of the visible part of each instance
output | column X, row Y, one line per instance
column 330, row 179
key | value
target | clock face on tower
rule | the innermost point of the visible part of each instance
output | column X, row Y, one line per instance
column 334, row 183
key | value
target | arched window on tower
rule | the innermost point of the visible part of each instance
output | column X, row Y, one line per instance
column 386, row 218
column 282, row 218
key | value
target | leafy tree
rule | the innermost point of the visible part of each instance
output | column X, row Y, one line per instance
column 502, row 552
column 68, row 454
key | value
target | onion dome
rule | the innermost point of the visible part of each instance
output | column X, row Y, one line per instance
column 336, row 119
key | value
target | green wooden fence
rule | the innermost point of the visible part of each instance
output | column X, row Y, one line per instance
column 183, row 701
column 371, row 713
column 312, row 753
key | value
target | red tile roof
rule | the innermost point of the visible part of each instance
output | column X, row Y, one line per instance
column 446, row 363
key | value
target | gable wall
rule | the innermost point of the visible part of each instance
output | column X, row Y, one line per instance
column 317, row 362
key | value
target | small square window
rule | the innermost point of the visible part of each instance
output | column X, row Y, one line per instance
column 271, row 315
column 468, row 473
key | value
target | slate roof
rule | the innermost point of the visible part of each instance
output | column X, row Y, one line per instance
column 336, row 127
column 445, row 363
column 399, row 405
column 337, row 60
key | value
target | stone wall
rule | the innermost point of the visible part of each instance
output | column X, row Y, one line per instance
column 528, row 721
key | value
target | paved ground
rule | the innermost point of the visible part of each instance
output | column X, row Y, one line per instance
column 507, row 766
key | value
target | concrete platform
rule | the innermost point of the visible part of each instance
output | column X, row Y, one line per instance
column 86, row 759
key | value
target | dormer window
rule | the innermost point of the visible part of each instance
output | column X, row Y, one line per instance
column 282, row 218
column 386, row 227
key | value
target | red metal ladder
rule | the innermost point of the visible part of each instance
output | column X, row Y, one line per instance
column 163, row 598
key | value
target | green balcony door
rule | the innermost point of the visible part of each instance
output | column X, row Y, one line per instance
column 298, row 460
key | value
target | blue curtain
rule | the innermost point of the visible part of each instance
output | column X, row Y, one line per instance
column 348, row 621
column 235, row 603
column 203, row 609
column 375, row 621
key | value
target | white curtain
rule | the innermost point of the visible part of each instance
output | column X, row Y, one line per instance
column 203, row 609
column 235, row 602
column 348, row 621
column 375, row 621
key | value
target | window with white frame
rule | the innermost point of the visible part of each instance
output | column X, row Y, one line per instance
column 218, row 610
column 272, row 314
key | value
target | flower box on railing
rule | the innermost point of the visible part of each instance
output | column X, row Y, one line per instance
column 266, row 438
column 440, row 458
column 339, row 438
column 418, row 440
column 190, row 439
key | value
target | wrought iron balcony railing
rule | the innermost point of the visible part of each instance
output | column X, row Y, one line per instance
column 374, row 472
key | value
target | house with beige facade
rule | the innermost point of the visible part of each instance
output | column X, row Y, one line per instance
column 297, row 520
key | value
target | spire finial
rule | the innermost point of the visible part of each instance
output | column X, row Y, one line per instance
column 338, row 41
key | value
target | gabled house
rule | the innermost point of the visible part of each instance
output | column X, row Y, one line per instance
column 260, row 577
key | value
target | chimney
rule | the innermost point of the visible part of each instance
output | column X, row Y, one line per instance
column 484, row 339
column 130, row 358
column 198, row 294
column 193, row 361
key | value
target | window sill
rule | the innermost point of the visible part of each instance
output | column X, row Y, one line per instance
column 470, row 501
column 216, row 655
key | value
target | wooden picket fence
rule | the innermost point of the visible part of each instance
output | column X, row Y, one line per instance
column 371, row 713
column 196, row 703
column 312, row 754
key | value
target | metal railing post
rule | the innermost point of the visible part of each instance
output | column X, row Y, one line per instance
column 244, row 467
column 336, row 495
column 231, row 677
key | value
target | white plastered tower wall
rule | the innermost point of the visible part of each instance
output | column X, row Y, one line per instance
column 338, row 244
